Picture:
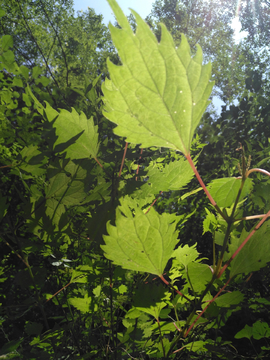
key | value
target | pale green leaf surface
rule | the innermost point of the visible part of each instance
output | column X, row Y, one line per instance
column 255, row 254
column 173, row 176
column 143, row 242
column 158, row 95
column 225, row 190
column 185, row 255
column 81, row 304
column 76, row 129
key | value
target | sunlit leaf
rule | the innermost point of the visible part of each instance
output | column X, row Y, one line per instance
column 141, row 242
column 225, row 190
column 173, row 176
column 185, row 255
column 158, row 95
column 81, row 304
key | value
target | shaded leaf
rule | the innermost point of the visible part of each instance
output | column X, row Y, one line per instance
column 230, row 298
column 78, row 133
column 150, row 298
column 255, row 254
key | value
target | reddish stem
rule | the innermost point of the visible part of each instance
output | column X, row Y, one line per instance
column 138, row 168
column 123, row 160
column 258, row 170
column 177, row 291
column 210, row 302
column 243, row 243
column 153, row 203
column 188, row 157
column 98, row 163
column 2, row 167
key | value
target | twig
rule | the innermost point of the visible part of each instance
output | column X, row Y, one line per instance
column 123, row 160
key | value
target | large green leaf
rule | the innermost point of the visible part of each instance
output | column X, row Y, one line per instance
column 158, row 96
column 141, row 242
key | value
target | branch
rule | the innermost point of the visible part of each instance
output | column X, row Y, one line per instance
column 210, row 302
column 188, row 157
column 123, row 160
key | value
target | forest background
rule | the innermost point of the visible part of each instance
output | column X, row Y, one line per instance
column 60, row 296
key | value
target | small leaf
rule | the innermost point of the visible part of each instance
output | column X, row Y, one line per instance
column 225, row 190
column 81, row 304
column 185, row 255
column 246, row 332
column 143, row 242
column 7, row 42
column 158, row 96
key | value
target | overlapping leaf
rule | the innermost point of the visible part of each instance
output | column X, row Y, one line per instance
column 173, row 176
column 140, row 242
column 160, row 93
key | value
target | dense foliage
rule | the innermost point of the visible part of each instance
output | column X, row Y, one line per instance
column 112, row 246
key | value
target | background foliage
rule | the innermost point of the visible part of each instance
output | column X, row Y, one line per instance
column 60, row 296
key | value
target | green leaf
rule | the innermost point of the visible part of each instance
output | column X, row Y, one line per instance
column 143, row 242
column 78, row 133
column 246, row 332
column 10, row 346
column 225, row 190
column 81, row 304
column 199, row 276
column 43, row 80
column 173, row 176
column 150, row 299
column 185, row 255
column 24, row 71
column 260, row 330
column 7, row 42
column 158, row 96
column 255, row 253
column 228, row 299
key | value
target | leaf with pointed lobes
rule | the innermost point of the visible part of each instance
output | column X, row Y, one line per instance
column 158, row 95
column 139, row 241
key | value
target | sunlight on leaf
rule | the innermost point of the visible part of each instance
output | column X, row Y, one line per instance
column 158, row 95
column 140, row 242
